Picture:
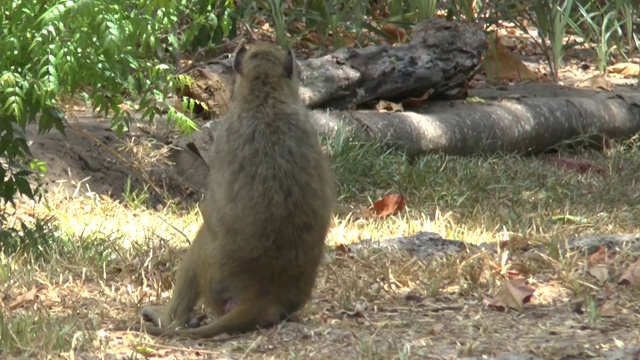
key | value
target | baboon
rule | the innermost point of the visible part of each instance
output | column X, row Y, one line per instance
column 266, row 211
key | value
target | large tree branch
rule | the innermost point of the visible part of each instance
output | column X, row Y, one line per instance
column 514, row 125
column 442, row 56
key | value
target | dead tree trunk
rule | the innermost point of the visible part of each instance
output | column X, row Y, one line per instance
column 515, row 125
column 441, row 57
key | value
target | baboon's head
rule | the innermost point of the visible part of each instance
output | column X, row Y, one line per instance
column 264, row 59
column 265, row 69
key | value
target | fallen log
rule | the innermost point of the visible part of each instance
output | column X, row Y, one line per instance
column 441, row 57
column 513, row 125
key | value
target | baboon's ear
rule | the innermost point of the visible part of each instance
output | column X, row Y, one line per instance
column 289, row 64
column 237, row 62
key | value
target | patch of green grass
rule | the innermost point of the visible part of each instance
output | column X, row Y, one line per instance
column 37, row 334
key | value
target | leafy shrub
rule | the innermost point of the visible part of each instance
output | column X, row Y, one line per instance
column 106, row 51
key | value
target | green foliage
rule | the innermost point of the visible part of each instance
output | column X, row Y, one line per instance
column 603, row 27
column 464, row 9
column 360, row 164
column 206, row 22
column 551, row 18
column 279, row 20
column 104, row 51
column 37, row 240
column 135, row 197
column 413, row 10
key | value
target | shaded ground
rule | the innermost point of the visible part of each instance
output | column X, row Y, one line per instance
column 91, row 158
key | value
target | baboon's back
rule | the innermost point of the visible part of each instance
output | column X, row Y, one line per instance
column 269, row 181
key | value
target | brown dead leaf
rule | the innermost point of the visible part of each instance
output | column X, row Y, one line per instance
column 601, row 256
column 595, row 82
column 600, row 272
column 342, row 249
column 384, row 106
column 437, row 328
column 582, row 166
column 260, row 20
column 417, row 101
column 312, row 38
column 299, row 26
column 516, row 243
column 414, row 298
column 390, row 204
column 625, row 69
column 609, row 308
column 398, row 34
column 631, row 275
column 513, row 294
column 24, row 298
column 502, row 64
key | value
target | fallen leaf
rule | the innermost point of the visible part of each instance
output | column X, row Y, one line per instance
column 413, row 297
column 260, row 20
column 26, row 297
column 582, row 166
column 299, row 26
column 595, row 82
column 474, row 100
column 145, row 351
column 502, row 64
column 609, row 308
column 625, row 69
column 600, row 272
column 516, row 243
column 417, row 101
column 436, row 328
column 384, row 106
column 598, row 257
column 396, row 33
column 389, row 205
column 631, row 275
column 312, row 38
column 513, row 294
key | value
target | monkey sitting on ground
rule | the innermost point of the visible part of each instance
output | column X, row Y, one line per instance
column 266, row 212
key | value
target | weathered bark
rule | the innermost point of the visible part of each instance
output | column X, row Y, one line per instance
column 442, row 56
column 514, row 125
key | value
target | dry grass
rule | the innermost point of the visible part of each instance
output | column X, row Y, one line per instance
column 98, row 260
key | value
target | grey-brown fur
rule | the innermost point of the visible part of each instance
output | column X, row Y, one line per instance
column 266, row 213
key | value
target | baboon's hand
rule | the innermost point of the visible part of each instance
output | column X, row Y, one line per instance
column 159, row 316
